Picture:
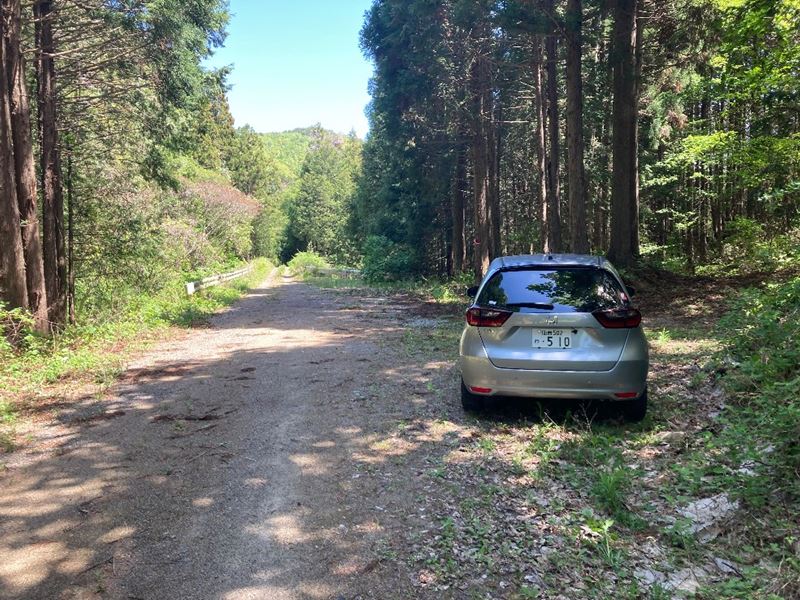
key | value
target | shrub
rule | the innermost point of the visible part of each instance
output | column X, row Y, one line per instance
column 749, row 247
column 385, row 259
column 762, row 334
column 762, row 354
column 16, row 330
column 305, row 261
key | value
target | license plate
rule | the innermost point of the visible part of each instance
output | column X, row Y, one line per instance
column 552, row 339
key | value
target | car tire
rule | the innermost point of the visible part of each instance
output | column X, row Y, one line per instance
column 634, row 411
column 471, row 402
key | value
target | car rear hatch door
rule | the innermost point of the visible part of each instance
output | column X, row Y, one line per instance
column 562, row 342
column 552, row 326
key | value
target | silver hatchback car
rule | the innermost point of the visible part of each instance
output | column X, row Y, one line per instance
column 556, row 326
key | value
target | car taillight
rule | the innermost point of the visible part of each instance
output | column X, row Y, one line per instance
column 618, row 318
column 487, row 317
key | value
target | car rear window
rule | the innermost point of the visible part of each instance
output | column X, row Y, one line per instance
column 567, row 290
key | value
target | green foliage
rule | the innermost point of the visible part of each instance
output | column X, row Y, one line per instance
column 159, row 237
column 385, row 259
column 320, row 207
column 288, row 150
column 726, row 166
column 757, row 454
column 16, row 330
column 269, row 231
column 251, row 169
column 610, row 490
column 747, row 247
column 762, row 333
column 83, row 350
column 416, row 124
column 305, row 261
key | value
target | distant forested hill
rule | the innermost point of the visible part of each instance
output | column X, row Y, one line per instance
column 314, row 173
column 288, row 148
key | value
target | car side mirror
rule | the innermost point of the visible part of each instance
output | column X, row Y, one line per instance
column 631, row 290
column 472, row 291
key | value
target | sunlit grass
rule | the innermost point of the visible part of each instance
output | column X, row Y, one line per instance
column 443, row 292
column 94, row 351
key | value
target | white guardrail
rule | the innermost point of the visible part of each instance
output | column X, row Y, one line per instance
column 213, row 280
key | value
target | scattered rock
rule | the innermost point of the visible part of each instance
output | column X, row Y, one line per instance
column 534, row 579
column 648, row 577
column 686, row 580
column 652, row 550
column 706, row 514
column 726, row 567
column 671, row 438
column 748, row 468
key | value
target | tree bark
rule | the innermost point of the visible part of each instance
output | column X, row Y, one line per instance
column 55, row 260
column 13, row 286
column 495, row 150
column 576, row 174
column 634, row 146
column 539, row 144
column 704, row 193
column 25, row 169
column 623, row 180
column 71, row 241
column 482, row 97
column 458, row 245
column 553, row 241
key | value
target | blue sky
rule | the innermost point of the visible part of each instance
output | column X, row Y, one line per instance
column 296, row 63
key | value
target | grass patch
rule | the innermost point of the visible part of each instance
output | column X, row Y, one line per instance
column 451, row 292
column 441, row 340
column 92, row 351
column 334, row 282
column 8, row 415
column 8, row 420
column 610, row 488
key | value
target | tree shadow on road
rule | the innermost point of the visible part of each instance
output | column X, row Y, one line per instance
column 288, row 452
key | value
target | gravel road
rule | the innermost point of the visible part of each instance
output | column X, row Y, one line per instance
column 244, row 460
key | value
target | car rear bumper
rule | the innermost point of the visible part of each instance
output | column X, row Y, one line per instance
column 625, row 377
column 628, row 376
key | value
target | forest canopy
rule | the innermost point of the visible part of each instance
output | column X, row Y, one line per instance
column 124, row 173
column 663, row 132
column 667, row 131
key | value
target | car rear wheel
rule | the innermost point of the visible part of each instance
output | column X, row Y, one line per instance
column 471, row 402
column 635, row 411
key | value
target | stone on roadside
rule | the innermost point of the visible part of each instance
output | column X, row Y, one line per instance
column 686, row 580
column 726, row 567
column 707, row 513
column 671, row 438
column 648, row 577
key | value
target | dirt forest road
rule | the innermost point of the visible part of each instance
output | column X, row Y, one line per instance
column 243, row 461
column 310, row 444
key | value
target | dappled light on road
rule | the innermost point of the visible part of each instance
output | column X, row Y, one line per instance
column 251, row 442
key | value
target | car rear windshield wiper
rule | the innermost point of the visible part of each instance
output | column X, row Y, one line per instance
column 541, row 305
